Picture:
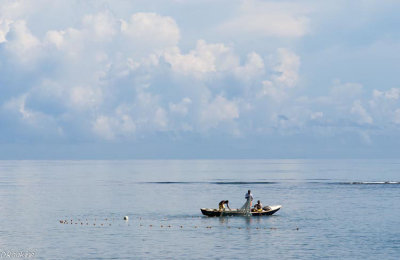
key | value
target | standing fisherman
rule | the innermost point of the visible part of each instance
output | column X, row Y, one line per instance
column 246, row 208
column 249, row 197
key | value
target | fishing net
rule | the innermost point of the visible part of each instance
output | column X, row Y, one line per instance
column 245, row 209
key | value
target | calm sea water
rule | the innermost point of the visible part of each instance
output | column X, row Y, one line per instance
column 340, row 209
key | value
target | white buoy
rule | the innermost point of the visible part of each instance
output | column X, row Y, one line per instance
column 126, row 218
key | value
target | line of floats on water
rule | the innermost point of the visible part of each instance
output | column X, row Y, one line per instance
column 126, row 220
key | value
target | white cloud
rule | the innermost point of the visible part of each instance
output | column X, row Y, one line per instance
column 151, row 31
column 217, row 111
column 55, row 37
column 391, row 94
column 203, row 59
column 147, row 112
column 12, row 9
column 182, row 107
column 20, row 42
column 110, row 128
column 143, row 35
column 362, row 115
column 125, row 77
column 384, row 106
column 274, row 19
column 102, row 26
column 70, row 42
column 18, row 105
column 4, row 29
column 254, row 67
column 85, row 97
column 287, row 68
column 269, row 89
column 103, row 126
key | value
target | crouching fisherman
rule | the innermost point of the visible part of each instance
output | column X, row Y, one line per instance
column 258, row 206
column 222, row 205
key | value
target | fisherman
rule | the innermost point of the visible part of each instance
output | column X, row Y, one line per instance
column 258, row 206
column 249, row 196
column 222, row 205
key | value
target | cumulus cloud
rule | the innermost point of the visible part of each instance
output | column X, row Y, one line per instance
column 4, row 29
column 358, row 110
column 102, row 26
column 217, row 111
column 10, row 9
column 152, row 30
column 19, row 41
column 273, row 19
column 110, row 128
column 112, row 77
column 384, row 106
column 253, row 68
column 285, row 67
column 203, row 59
column 269, row 89
column 93, row 75
column 391, row 94
column 182, row 107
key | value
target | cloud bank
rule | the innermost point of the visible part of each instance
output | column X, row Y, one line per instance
column 107, row 78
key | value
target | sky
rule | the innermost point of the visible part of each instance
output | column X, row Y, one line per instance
column 199, row 79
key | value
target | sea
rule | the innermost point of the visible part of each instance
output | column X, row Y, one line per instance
column 331, row 209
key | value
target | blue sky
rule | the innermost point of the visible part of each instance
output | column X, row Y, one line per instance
column 199, row 79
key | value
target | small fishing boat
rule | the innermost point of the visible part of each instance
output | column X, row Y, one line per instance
column 268, row 210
